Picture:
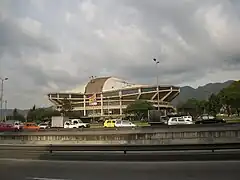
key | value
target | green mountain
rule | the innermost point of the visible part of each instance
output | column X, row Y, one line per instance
column 200, row 93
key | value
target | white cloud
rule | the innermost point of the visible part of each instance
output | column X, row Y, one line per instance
column 88, row 9
column 54, row 45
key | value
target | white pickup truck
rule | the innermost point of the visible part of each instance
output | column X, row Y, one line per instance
column 76, row 123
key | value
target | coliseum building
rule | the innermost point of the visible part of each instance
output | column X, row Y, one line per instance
column 105, row 96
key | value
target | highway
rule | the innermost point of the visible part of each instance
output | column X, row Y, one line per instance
column 203, row 155
column 68, row 170
column 90, row 131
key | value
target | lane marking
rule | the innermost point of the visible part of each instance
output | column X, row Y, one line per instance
column 41, row 178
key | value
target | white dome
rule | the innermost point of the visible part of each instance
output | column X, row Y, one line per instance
column 103, row 84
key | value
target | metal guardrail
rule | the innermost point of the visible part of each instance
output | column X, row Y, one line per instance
column 121, row 147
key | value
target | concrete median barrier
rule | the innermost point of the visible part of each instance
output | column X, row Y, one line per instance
column 137, row 136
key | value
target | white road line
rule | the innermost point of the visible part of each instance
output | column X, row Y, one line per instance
column 40, row 178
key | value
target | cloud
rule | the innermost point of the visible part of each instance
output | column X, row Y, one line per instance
column 48, row 46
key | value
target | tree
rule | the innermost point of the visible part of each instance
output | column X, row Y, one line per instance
column 139, row 108
column 193, row 107
column 34, row 107
column 230, row 97
column 67, row 106
column 16, row 116
column 41, row 114
column 213, row 105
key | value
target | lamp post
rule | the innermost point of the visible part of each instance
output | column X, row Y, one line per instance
column 157, row 62
column 2, row 82
column 5, row 115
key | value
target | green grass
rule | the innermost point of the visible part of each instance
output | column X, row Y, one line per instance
column 100, row 125
column 141, row 123
column 233, row 120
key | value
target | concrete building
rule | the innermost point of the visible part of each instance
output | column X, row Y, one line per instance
column 110, row 96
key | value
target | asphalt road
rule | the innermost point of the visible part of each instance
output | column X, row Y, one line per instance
column 150, row 156
column 180, row 128
column 67, row 170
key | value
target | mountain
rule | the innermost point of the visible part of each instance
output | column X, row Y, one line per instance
column 200, row 93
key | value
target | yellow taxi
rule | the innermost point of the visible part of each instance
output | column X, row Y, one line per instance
column 109, row 123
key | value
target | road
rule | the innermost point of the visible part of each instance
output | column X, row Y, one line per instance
column 119, row 156
column 67, row 170
column 91, row 131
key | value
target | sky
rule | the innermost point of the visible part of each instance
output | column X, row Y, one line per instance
column 56, row 45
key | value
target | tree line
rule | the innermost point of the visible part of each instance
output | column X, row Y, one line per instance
column 227, row 101
column 34, row 114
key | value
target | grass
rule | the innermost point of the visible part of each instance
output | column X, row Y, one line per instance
column 233, row 120
column 141, row 123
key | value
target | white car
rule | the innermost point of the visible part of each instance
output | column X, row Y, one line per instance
column 179, row 120
column 124, row 123
column 76, row 123
column 43, row 126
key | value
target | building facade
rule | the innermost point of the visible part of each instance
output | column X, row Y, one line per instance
column 110, row 96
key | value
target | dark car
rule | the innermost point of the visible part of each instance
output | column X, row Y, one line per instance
column 208, row 119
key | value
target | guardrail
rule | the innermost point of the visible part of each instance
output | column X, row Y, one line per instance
column 121, row 147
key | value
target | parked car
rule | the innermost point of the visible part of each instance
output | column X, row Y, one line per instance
column 124, row 123
column 179, row 121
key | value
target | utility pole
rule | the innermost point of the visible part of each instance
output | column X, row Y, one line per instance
column 5, row 115
column 2, row 82
column 157, row 62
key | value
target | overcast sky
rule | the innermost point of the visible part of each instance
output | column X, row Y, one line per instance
column 53, row 45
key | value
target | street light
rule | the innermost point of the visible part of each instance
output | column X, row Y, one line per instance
column 5, row 115
column 2, row 82
column 157, row 62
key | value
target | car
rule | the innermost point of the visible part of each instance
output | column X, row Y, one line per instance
column 31, row 126
column 7, row 128
column 109, row 123
column 179, row 121
column 43, row 125
column 17, row 124
column 124, row 123
column 76, row 123
column 209, row 121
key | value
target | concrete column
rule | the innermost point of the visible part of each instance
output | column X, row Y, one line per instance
column 84, row 105
column 139, row 93
column 101, row 104
column 69, row 96
column 120, row 102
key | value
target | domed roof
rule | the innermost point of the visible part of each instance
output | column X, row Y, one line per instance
column 103, row 84
column 95, row 85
